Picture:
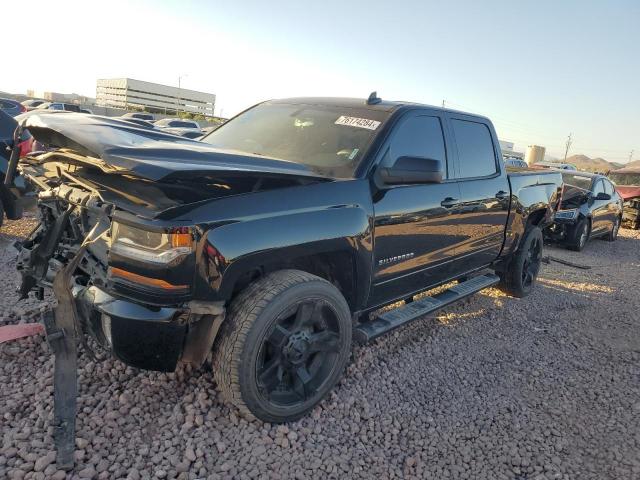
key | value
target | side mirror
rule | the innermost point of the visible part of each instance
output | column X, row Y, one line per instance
column 603, row 196
column 407, row 170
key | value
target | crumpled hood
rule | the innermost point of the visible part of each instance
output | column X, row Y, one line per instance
column 627, row 192
column 125, row 148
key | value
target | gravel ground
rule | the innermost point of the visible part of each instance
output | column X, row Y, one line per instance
column 494, row 388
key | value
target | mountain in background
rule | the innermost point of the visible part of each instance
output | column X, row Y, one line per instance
column 582, row 162
column 634, row 164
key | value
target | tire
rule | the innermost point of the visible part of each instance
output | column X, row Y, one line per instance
column 520, row 277
column 613, row 234
column 283, row 346
column 580, row 236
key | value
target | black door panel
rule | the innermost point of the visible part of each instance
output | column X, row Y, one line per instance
column 485, row 195
column 415, row 238
column 415, row 231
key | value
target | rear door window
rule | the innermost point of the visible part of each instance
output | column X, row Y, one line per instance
column 476, row 153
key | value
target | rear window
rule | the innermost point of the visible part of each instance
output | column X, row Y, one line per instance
column 476, row 154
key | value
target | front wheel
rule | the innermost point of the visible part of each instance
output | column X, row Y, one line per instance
column 523, row 269
column 580, row 236
column 613, row 234
column 283, row 346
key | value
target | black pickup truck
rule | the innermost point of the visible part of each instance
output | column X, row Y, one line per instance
column 271, row 241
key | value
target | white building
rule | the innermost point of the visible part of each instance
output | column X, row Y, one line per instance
column 128, row 93
column 61, row 97
column 508, row 151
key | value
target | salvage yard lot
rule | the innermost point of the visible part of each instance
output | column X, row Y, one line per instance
column 493, row 387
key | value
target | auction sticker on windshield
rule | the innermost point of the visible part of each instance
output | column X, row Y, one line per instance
column 358, row 122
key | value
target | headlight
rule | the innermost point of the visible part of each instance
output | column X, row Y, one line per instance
column 567, row 214
column 147, row 246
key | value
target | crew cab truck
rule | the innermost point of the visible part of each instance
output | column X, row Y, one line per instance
column 271, row 241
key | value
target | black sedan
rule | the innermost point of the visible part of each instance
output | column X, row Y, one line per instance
column 590, row 208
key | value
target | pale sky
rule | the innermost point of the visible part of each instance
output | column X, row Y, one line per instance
column 539, row 69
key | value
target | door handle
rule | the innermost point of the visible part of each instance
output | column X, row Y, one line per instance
column 449, row 202
column 501, row 195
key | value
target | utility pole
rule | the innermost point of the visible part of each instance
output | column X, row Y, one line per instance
column 567, row 145
column 443, row 103
column 179, row 92
column 631, row 155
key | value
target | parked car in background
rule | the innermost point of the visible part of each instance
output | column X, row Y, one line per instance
column 627, row 183
column 9, row 204
column 559, row 166
column 138, row 121
column 87, row 111
column 67, row 107
column 177, row 123
column 208, row 130
column 515, row 163
column 590, row 208
column 149, row 117
column 185, row 132
column 33, row 103
column 11, row 107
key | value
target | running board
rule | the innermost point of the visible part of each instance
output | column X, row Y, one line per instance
column 393, row 319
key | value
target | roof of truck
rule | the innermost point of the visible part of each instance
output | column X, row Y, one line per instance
column 382, row 105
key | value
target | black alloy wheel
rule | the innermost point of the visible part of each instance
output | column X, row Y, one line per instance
column 298, row 355
column 283, row 345
column 521, row 273
column 532, row 261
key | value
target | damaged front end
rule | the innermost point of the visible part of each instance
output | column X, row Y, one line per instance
column 95, row 269
column 117, row 243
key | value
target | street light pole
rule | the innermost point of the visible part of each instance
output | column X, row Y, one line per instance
column 179, row 91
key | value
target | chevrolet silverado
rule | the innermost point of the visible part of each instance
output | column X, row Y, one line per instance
column 270, row 242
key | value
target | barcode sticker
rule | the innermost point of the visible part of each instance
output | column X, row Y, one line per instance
column 358, row 122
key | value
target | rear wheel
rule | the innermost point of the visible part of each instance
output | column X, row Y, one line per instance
column 520, row 278
column 613, row 234
column 580, row 236
column 283, row 346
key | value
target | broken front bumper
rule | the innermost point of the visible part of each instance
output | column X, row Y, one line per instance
column 152, row 338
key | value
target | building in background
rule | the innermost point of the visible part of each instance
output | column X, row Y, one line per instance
column 61, row 97
column 535, row 154
column 508, row 151
column 130, row 94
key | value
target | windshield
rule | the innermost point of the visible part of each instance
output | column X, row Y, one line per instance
column 577, row 181
column 331, row 140
column 625, row 178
